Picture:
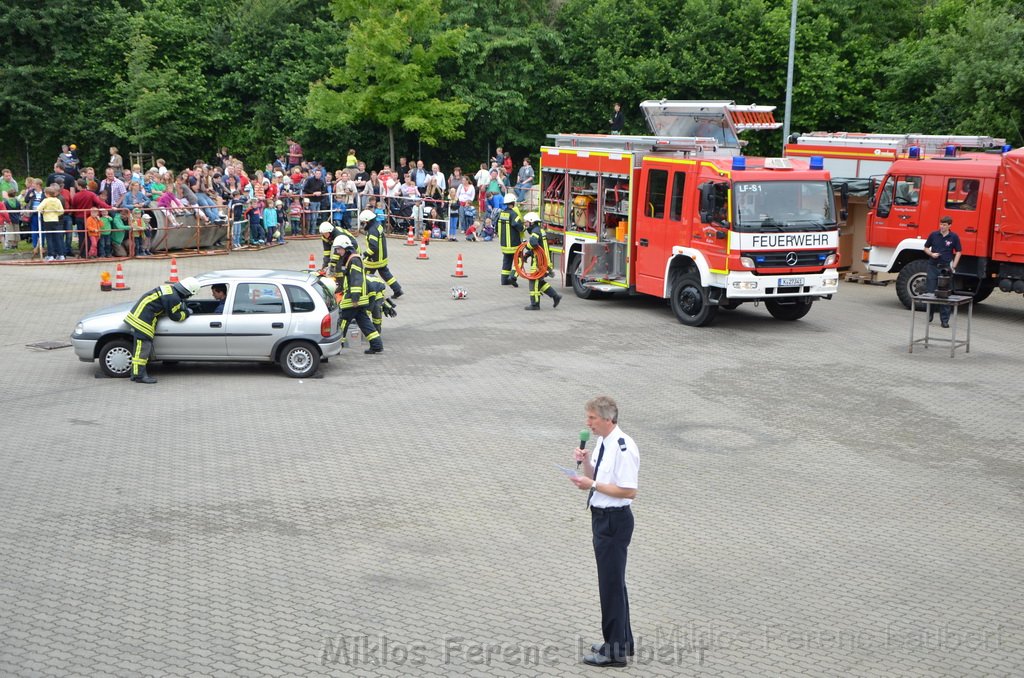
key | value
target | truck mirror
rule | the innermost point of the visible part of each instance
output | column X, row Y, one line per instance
column 872, row 191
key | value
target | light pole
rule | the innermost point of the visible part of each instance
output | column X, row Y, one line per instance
column 789, row 74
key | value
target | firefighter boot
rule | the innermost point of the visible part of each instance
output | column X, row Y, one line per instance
column 555, row 296
column 533, row 307
column 143, row 377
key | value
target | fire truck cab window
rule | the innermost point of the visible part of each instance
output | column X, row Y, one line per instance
column 908, row 190
column 962, row 194
column 676, row 208
column 657, row 186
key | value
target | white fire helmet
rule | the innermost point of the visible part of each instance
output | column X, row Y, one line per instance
column 326, row 227
column 366, row 216
column 509, row 198
column 343, row 242
column 531, row 217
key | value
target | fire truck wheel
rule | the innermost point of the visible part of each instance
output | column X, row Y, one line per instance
column 581, row 290
column 912, row 281
column 793, row 310
column 984, row 289
column 690, row 302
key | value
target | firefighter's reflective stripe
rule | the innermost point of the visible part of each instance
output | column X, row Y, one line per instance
column 376, row 253
column 159, row 301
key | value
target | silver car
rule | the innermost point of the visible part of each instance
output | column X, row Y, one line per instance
column 285, row 317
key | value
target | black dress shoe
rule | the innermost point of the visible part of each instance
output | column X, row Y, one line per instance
column 601, row 660
column 598, row 648
column 945, row 324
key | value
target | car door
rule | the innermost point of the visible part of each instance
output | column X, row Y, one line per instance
column 258, row 319
column 200, row 336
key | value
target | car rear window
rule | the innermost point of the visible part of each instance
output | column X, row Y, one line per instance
column 326, row 294
column 299, row 299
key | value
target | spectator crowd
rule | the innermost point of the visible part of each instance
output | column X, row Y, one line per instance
column 77, row 212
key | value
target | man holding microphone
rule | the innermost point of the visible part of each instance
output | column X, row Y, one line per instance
column 611, row 480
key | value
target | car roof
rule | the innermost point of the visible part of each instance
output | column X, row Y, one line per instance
column 255, row 274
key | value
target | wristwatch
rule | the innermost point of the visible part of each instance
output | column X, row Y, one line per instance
column 594, row 486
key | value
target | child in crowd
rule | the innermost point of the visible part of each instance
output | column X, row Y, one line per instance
column 257, row 234
column 116, row 161
column 295, row 216
column 487, row 232
column 372, row 205
column 138, row 226
column 236, row 208
column 270, row 223
column 161, row 167
column 118, row 232
column 51, row 209
column 93, row 228
column 471, row 233
column 105, row 226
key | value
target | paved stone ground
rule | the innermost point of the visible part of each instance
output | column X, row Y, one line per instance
column 814, row 500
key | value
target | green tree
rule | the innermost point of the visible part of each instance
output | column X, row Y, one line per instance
column 390, row 71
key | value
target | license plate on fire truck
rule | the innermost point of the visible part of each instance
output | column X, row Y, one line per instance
column 791, row 282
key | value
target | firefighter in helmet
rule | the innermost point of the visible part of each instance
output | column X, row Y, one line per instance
column 355, row 301
column 166, row 300
column 510, row 235
column 328, row 232
column 375, row 256
column 537, row 237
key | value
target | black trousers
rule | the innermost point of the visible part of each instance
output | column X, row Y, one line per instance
column 613, row 530
column 508, row 271
column 932, row 284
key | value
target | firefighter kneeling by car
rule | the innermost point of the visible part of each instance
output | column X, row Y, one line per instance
column 166, row 300
column 347, row 268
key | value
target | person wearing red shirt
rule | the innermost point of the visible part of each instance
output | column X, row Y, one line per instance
column 79, row 205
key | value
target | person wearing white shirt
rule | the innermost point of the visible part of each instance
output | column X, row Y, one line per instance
column 435, row 171
column 611, row 480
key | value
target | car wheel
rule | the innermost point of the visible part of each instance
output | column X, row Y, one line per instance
column 911, row 282
column 789, row 310
column 116, row 358
column 300, row 359
column 690, row 302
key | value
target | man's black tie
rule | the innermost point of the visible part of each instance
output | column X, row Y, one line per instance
column 600, row 454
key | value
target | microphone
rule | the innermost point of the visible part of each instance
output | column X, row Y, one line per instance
column 584, row 437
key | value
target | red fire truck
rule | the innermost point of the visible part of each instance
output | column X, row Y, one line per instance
column 926, row 178
column 683, row 216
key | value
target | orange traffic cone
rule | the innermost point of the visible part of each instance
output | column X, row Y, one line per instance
column 459, row 273
column 119, row 285
column 410, row 240
column 174, row 271
column 423, row 250
column 312, row 262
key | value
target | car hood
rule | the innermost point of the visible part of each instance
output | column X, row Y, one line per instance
column 106, row 319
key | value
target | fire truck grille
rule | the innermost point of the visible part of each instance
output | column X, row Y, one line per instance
column 804, row 258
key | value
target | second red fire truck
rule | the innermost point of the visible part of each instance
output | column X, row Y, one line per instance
column 681, row 215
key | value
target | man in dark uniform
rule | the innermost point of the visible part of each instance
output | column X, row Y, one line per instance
column 166, row 300
column 612, row 482
column 510, row 235
column 355, row 301
column 943, row 249
column 375, row 256
column 537, row 237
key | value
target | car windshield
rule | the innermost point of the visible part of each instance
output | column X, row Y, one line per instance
column 775, row 206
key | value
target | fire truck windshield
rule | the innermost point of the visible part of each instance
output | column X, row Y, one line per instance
column 773, row 206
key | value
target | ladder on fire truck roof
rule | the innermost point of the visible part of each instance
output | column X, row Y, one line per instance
column 930, row 144
column 628, row 143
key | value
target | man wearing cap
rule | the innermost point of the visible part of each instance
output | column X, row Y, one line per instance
column 943, row 249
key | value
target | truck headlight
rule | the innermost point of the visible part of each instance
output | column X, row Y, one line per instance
column 831, row 259
column 746, row 262
column 745, row 285
column 830, row 282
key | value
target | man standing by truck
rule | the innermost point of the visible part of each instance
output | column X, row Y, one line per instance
column 943, row 248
